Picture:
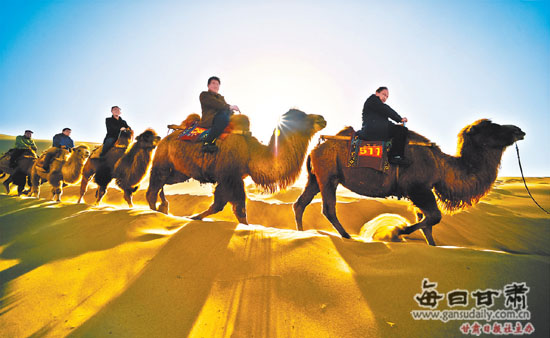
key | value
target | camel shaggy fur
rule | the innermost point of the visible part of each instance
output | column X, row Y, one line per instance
column 105, row 165
column 132, row 166
column 271, row 167
column 20, row 175
column 65, row 168
column 434, row 180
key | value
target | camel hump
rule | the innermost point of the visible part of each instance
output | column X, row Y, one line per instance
column 96, row 152
column 240, row 122
column 347, row 131
column 83, row 146
column 189, row 120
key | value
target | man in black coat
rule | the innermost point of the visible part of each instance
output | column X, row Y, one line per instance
column 115, row 124
column 377, row 127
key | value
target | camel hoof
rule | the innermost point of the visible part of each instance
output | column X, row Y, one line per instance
column 163, row 208
column 196, row 218
column 346, row 235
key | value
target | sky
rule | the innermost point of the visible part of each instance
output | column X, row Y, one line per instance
column 446, row 64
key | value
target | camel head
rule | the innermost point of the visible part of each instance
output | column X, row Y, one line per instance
column 486, row 134
column 296, row 121
column 148, row 139
column 82, row 151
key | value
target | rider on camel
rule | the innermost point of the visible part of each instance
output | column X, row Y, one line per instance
column 62, row 140
column 115, row 124
column 215, row 114
column 23, row 143
column 377, row 127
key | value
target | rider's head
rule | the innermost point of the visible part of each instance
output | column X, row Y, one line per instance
column 383, row 93
column 214, row 84
column 115, row 110
column 67, row 131
column 28, row 133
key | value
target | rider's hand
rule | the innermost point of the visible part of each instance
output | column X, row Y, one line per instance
column 234, row 108
column 122, row 128
column 404, row 120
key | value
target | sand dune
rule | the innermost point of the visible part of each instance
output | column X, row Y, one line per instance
column 79, row 270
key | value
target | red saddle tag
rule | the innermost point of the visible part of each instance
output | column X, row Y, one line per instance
column 371, row 150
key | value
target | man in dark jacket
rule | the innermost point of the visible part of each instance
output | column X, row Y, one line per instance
column 377, row 127
column 60, row 141
column 115, row 124
column 63, row 139
column 215, row 114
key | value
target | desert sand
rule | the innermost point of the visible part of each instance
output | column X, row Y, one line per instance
column 79, row 270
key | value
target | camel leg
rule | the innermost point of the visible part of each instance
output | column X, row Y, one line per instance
column 163, row 207
column 7, row 183
column 100, row 192
column 238, row 199
column 55, row 180
column 86, row 174
column 220, row 200
column 424, row 200
column 128, row 197
column 29, row 183
column 56, row 194
column 21, row 189
column 35, row 185
column 157, row 180
column 328, row 192
column 20, row 179
column 427, row 231
column 312, row 188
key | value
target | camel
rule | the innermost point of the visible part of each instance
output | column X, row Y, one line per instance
column 19, row 175
column 458, row 181
column 66, row 168
column 104, row 165
column 271, row 167
column 132, row 166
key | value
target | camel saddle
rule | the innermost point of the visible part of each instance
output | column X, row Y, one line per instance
column 97, row 150
column 47, row 158
column 196, row 133
column 368, row 154
column 189, row 129
column 6, row 157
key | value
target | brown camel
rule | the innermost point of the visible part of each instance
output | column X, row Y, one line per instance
column 105, row 165
column 132, row 166
column 20, row 175
column 274, row 166
column 457, row 181
column 65, row 168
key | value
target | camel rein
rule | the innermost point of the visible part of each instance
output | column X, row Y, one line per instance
column 525, row 183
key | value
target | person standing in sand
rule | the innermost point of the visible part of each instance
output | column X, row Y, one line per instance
column 115, row 124
column 215, row 114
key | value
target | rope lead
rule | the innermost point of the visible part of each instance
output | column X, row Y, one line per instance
column 525, row 183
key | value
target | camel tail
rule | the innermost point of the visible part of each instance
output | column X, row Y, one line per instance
column 310, row 173
column 103, row 176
